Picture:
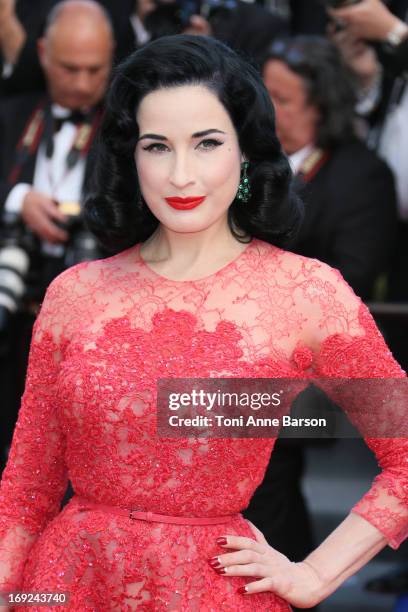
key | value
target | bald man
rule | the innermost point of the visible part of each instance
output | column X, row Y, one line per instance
column 22, row 23
column 45, row 161
column 76, row 53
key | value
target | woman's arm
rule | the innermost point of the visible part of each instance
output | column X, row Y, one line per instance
column 344, row 552
column 309, row 582
column 19, row 539
column 35, row 478
column 347, row 344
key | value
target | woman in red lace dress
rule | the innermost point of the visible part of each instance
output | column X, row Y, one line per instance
column 200, row 286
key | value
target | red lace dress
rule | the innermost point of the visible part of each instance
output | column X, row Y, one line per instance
column 107, row 331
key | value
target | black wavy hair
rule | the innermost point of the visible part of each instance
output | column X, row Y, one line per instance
column 114, row 209
column 329, row 83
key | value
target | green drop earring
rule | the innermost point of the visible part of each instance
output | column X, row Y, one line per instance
column 244, row 188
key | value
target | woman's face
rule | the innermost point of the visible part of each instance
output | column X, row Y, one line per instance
column 187, row 157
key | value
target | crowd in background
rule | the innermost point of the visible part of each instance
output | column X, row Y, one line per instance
column 336, row 73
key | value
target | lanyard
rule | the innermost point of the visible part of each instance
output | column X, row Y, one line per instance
column 75, row 153
column 41, row 123
column 312, row 164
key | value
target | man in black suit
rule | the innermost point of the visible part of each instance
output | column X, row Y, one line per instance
column 349, row 193
column 22, row 22
column 350, row 216
column 45, row 164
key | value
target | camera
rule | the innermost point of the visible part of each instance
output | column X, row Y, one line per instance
column 82, row 245
column 27, row 265
column 15, row 248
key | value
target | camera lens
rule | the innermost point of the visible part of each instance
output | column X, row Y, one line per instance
column 14, row 264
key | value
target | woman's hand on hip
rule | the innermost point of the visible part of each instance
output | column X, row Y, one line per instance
column 297, row 583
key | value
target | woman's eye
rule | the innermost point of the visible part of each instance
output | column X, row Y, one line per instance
column 209, row 143
column 155, row 147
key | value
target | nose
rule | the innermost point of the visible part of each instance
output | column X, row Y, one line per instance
column 83, row 82
column 181, row 173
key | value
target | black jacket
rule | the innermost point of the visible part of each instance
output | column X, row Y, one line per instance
column 350, row 216
column 14, row 115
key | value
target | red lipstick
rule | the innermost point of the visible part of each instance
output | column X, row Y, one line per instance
column 185, row 203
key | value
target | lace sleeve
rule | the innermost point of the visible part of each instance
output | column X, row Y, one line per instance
column 35, row 478
column 351, row 346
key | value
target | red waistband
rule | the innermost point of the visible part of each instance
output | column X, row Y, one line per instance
column 135, row 514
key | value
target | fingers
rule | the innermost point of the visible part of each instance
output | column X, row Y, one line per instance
column 294, row 582
column 348, row 15
column 50, row 232
column 368, row 19
column 229, row 559
column 266, row 584
column 247, row 562
column 254, row 570
column 239, row 543
column 52, row 210
column 41, row 215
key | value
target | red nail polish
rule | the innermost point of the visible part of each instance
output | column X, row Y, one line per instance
column 221, row 541
column 214, row 562
column 220, row 570
column 242, row 590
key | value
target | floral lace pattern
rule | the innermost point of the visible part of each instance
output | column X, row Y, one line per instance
column 106, row 332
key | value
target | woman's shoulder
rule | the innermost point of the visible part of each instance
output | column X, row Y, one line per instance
column 80, row 292
column 315, row 291
column 77, row 288
column 294, row 266
column 87, row 272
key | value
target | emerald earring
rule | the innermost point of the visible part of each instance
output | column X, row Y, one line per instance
column 244, row 188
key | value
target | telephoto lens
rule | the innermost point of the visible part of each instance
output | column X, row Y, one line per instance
column 14, row 264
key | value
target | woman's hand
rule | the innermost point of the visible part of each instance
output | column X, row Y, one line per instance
column 297, row 583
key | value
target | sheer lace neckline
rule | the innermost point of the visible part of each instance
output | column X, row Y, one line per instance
column 225, row 267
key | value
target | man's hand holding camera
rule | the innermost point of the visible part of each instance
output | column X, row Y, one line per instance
column 369, row 19
column 42, row 215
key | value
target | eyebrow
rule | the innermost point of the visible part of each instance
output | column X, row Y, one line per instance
column 195, row 135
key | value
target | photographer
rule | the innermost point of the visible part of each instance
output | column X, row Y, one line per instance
column 45, row 165
column 22, row 22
